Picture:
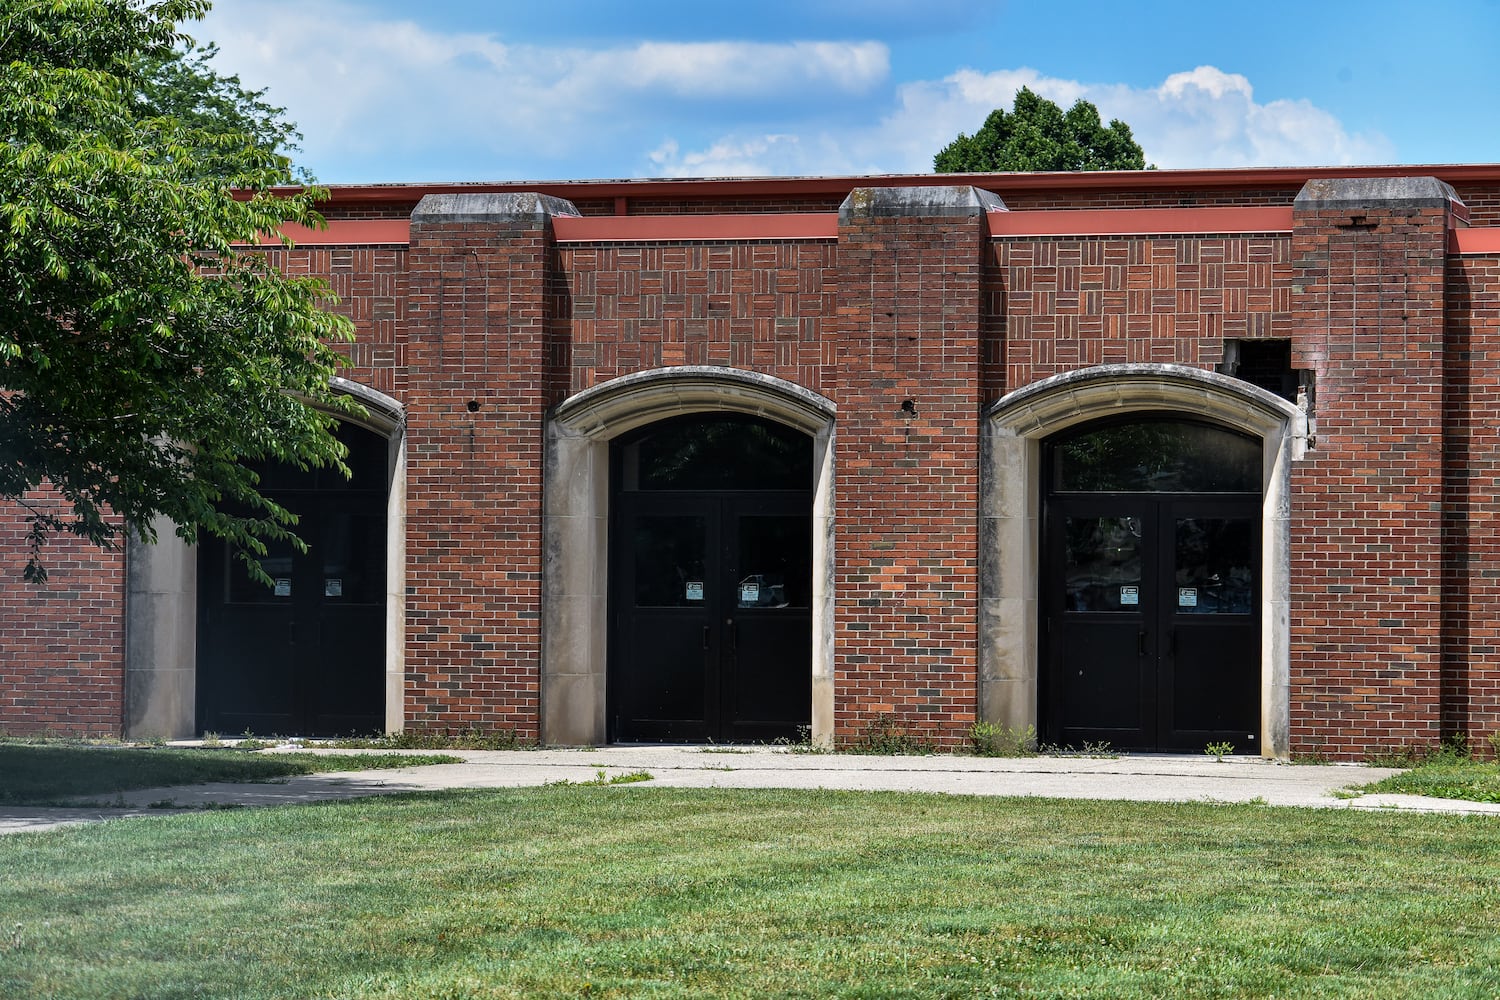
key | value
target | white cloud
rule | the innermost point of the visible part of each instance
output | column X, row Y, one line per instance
column 394, row 92
column 1201, row 118
column 370, row 86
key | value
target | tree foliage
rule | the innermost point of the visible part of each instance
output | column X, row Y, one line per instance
column 181, row 83
column 1037, row 135
column 143, row 353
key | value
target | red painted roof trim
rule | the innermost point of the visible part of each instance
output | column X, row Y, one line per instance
column 347, row 232
column 1142, row 221
column 824, row 225
column 1474, row 241
column 773, row 187
column 676, row 228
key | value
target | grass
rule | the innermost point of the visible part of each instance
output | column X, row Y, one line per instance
column 637, row 891
column 1446, row 774
column 49, row 774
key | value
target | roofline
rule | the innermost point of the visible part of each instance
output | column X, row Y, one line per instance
column 771, row 187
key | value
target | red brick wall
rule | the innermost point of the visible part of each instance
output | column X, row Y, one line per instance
column 1074, row 302
column 1020, row 200
column 371, row 285
column 62, row 646
column 1482, row 201
column 1471, row 486
column 474, row 394
column 759, row 306
column 1366, row 519
column 906, row 542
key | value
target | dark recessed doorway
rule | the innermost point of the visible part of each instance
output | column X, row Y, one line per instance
column 710, row 581
column 1151, row 586
column 305, row 656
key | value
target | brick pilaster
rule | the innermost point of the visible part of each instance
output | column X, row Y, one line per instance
column 474, row 391
column 907, row 333
column 1368, row 261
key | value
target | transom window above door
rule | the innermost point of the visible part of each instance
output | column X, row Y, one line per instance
column 716, row 452
column 1156, row 455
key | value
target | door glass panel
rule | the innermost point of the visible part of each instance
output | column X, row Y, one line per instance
column 775, row 562
column 1157, row 456
column 367, row 461
column 353, row 558
column 669, row 561
column 1214, row 566
column 1102, row 564
column 239, row 588
column 717, row 453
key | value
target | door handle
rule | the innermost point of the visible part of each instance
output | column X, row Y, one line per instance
column 1140, row 643
column 733, row 637
column 706, row 631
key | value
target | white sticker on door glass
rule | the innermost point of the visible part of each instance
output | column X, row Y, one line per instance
column 1187, row 597
column 695, row 590
column 1130, row 595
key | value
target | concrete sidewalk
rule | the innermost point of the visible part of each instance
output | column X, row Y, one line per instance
column 1142, row 778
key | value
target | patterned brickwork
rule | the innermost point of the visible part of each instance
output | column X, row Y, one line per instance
column 1366, row 511
column 371, row 285
column 1071, row 303
column 479, row 327
column 758, row 306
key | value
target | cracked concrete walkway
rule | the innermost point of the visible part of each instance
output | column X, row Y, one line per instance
column 1137, row 777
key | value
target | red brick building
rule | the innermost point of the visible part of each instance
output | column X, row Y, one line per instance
column 1158, row 458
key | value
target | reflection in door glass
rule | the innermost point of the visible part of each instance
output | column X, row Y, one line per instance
column 1157, row 456
column 726, row 452
column 1102, row 564
column 669, row 552
column 239, row 588
column 775, row 561
column 353, row 558
column 1214, row 566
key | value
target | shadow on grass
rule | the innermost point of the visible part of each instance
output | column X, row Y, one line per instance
column 50, row 775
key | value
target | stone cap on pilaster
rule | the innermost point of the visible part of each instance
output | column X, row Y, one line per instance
column 924, row 202
column 509, row 207
column 1350, row 193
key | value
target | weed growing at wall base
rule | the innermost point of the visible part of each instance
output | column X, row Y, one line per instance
column 991, row 740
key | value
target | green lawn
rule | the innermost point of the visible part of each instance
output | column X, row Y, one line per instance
column 638, row 891
column 49, row 773
column 1446, row 776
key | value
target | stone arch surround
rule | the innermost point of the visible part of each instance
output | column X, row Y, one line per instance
column 575, row 527
column 161, row 600
column 1010, row 516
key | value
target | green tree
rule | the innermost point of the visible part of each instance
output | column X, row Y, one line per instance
column 1037, row 135
column 143, row 354
column 182, row 83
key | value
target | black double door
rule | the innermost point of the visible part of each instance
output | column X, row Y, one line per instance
column 1151, row 622
column 712, row 616
column 306, row 655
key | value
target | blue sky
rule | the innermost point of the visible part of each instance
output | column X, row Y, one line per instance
column 447, row 90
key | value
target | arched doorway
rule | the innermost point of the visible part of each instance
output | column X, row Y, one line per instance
column 710, row 581
column 306, row 656
column 1012, row 672
column 578, row 532
column 1151, row 578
